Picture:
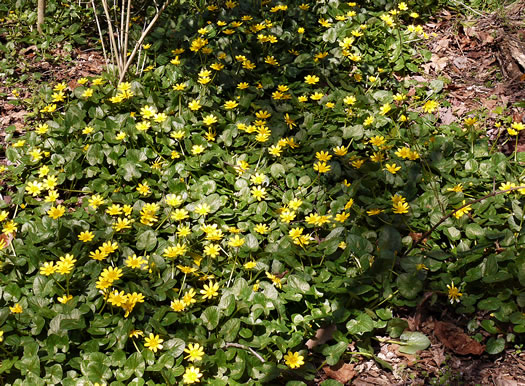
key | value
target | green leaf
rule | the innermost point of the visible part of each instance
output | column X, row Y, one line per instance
column 360, row 325
column 210, row 317
column 129, row 171
column 227, row 304
column 490, row 304
column 147, row 240
column 331, row 382
column 251, row 244
column 134, row 365
column 413, row 342
column 96, row 371
column 453, row 233
column 474, row 231
column 495, row 345
column 489, row 326
column 409, row 285
column 230, row 329
column 334, row 352
column 277, row 170
column 330, row 35
column 384, row 313
column 94, row 154
column 175, row 346
column 298, row 284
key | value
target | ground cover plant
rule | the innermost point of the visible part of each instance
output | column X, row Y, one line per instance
column 266, row 170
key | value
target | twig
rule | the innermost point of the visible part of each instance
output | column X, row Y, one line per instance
column 126, row 30
column 100, row 32
column 467, row 7
column 237, row 345
column 443, row 219
column 141, row 39
column 114, row 47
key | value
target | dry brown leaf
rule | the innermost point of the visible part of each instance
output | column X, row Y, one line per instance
column 456, row 340
column 322, row 336
column 342, row 372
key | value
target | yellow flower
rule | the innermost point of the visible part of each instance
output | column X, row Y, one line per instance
column 202, row 209
column 322, row 167
column 114, row 210
column 373, row 212
column 460, row 212
column 250, row 265
column 175, row 251
column 153, row 342
column 48, row 268
column 56, row 212
column 210, row 290
column 86, row 236
column 457, row 188
column 144, row 189
column 212, row 250
column 275, row 280
column 9, row 227
column 430, row 106
column 194, row 105
column 236, row 241
column 453, row 293
column 349, row 100
column 87, row 93
column 111, row 274
column 135, row 262
column 323, row 156
column 506, row 186
column 325, row 23
column 195, row 352
column 191, row 375
column 197, row 149
column 64, row 299
column 392, row 168
column 34, row 188
column 16, row 309
column 209, row 120
column 179, row 214
column 95, row 201
column 341, row 217
column 177, row 305
column 340, row 150
column 136, row 333
column 261, row 228
column 229, row 105
column 311, row 79
column 400, row 207
column 122, row 223
column 258, row 193
column 179, row 86
column 293, row 360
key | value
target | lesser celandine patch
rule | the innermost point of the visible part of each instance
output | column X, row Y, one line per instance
column 265, row 177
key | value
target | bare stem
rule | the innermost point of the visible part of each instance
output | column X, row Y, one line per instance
column 141, row 39
column 238, row 345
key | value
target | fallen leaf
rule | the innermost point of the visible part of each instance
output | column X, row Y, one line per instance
column 456, row 340
column 447, row 116
column 342, row 372
column 322, row 336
